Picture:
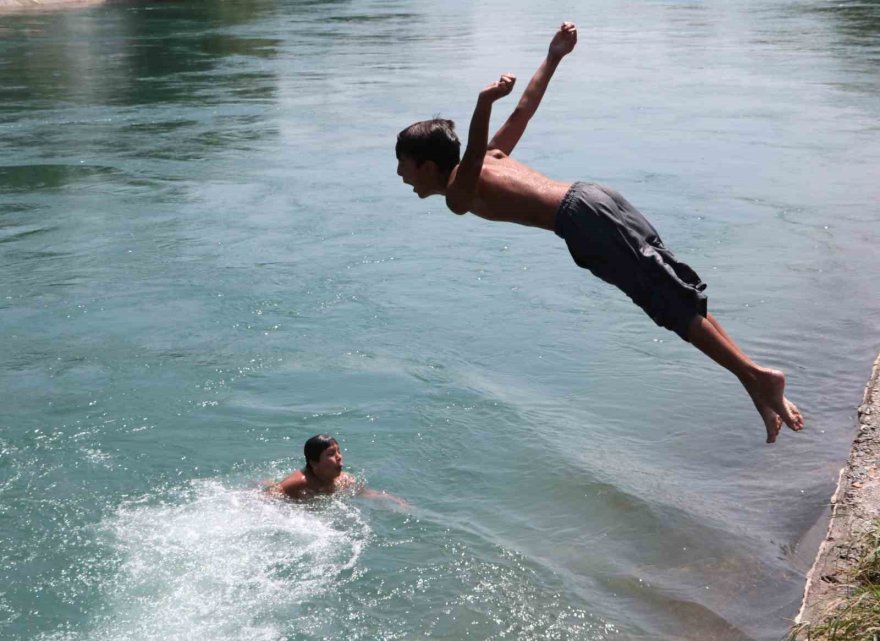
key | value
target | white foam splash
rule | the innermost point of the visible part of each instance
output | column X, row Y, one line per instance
column 213, row 563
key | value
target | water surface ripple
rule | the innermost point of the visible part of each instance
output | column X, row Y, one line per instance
column 207, row 257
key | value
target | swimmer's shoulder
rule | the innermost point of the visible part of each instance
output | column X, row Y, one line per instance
column 345, row 481
column 295, row 486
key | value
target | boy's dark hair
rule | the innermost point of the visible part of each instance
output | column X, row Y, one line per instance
column 433, row 139
column 315, row 445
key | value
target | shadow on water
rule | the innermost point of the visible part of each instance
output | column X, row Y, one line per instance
column 30, row 178
column 122, row 84
column 134, row 81
column 855, row 28
column 132, row 55
column 857, row 21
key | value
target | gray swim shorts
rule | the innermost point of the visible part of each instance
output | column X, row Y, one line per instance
column 608, row 236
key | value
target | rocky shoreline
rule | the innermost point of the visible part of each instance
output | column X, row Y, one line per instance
column 854, row 506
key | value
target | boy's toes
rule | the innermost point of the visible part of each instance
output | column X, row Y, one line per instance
column 773, row 424
column 788, row 417
column 773, row 430
column 798, row 419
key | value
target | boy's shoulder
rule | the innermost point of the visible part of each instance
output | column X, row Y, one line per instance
column 458, row 199
column 345, row 481
column 295, row 485
column 491, row 154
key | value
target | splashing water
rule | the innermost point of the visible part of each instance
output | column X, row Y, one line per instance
column 213, row 563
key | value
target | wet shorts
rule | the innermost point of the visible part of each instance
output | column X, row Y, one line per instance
column 609, row 236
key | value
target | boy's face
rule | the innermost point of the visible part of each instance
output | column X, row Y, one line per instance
column 329, row 464
column 414, row 175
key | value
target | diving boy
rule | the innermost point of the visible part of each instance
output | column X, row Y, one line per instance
column 603, row 231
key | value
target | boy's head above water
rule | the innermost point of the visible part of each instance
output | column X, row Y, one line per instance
column 323, row 457
column 427, row 152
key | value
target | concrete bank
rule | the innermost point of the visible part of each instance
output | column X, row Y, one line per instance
column 855, row 504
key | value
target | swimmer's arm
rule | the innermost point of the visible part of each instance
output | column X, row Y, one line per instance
column 368, row 493
column 463, row 188
column 511, row 131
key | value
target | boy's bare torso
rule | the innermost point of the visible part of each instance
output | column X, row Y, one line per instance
column 510, row 191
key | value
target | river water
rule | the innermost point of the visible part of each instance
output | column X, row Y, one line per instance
column 207, row 257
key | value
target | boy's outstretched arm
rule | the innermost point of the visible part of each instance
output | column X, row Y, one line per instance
column 461, row 190
column 382, row 494
column 512, row 130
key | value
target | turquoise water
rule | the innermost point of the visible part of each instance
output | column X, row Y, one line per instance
column 207, row 257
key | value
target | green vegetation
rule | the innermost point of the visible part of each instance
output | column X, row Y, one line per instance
column 857, row 616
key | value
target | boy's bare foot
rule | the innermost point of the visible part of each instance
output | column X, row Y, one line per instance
column 767, row 391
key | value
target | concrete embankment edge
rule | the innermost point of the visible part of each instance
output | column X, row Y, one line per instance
column 854, row 506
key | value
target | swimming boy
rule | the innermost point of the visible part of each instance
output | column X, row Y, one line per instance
column 603, row 232
column 323, row 474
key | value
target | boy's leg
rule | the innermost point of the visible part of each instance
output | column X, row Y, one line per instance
column 723, row 333
column 766, row 387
